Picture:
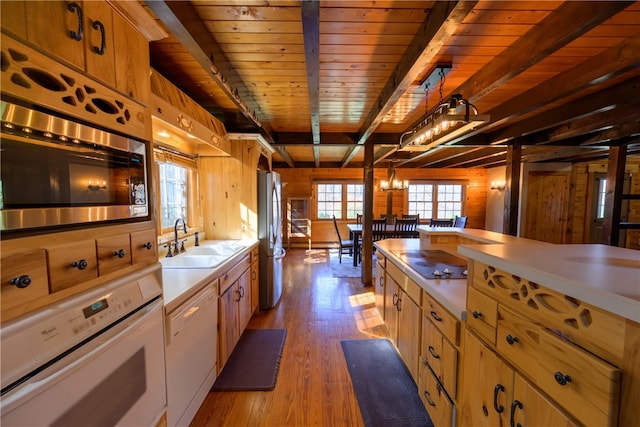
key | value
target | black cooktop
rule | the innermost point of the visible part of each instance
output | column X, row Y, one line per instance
column 428, row 263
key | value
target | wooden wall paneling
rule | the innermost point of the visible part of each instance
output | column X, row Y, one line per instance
column 547, row 205
column 249, row 193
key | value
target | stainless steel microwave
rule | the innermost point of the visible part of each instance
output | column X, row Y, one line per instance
column 57, row 172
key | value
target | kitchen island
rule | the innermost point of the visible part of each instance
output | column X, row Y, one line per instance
column 549, row 332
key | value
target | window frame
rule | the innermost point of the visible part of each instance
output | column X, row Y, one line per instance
column 344, row 201
column 435, row 183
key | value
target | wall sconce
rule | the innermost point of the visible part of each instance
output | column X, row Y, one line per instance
column 498, row 185
column 97, row 185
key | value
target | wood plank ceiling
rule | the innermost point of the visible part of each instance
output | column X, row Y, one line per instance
column 318, row 79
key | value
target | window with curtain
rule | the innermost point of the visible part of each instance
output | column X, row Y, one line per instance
column 435, row 200
column 177, row 179
column 344, row 200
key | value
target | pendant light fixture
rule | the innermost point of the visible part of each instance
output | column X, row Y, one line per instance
column 393, row 184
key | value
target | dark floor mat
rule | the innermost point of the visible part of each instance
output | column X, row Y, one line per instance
column 386, row 392
column 254, row 363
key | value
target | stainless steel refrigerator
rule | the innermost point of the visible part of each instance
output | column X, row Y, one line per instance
column 270, row 236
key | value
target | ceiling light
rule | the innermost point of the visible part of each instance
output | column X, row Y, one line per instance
column 449, row 120
column 393, row 184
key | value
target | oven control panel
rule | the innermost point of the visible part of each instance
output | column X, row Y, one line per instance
column 81, row 321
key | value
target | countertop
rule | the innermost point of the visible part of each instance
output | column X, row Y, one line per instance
column 451, row 293
column 180, row 284
column 604, row 276
column 482, row 236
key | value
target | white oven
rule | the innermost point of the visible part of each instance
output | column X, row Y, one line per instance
column 96, row 359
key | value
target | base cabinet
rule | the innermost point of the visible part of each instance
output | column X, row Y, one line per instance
column 229, row 332
column 439, row 406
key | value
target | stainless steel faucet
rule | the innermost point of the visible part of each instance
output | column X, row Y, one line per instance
column 175, row 233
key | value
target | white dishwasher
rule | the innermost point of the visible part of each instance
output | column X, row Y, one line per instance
column 191, row 354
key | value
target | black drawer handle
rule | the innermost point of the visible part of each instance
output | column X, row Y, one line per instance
column 476, row 314
column 80, row 265
column 428, row 398
column 148, row 245
column 496, row 390
column 120, row 253
column 512, row 340
column 433, row 352
column 75, row 7
column 435, row 316
column 22, row 281
column 97, row 25
column 516, row 404
column 561, row 378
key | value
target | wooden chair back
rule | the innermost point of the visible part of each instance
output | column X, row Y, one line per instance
column 441, row 222
column 460, row 221
column 378, row 229
column 405, row 228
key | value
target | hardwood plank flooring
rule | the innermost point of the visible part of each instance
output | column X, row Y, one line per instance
column 313, row 387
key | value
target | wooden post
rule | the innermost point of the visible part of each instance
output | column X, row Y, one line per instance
column 390, row 173
column 613, row 196
column 367, row 216
column 512, row 189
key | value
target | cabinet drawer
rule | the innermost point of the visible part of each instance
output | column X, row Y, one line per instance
column 518, row 341
column 448, row 324
column 583, row 384
column 26, row 269
column 144, row 249
column 72, row 264
column 381, row 259
column 234, row 273
column 482, row 314
column 254, row 255
column 440, row 354
column 435, row 400
column 114, row 253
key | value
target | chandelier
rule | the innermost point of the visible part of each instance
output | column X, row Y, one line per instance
column 393, row 184
column 447, row 121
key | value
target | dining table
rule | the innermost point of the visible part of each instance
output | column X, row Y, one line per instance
column 355, row 234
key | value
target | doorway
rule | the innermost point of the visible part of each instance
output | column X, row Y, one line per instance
column 597, row 207
column 547, row 207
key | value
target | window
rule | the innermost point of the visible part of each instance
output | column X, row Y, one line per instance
column 435, row 200
column 602, row 192
column 343, row 200
column 177, row 177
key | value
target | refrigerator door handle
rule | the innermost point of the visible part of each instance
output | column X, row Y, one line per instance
column 281, row 253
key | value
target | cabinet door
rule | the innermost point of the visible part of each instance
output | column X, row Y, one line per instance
column 380, row 288
column 49, row 26
column 244, row 302
column 14, row 17
column 409, row 318
column 131, row 60
column 487, row 391
column 530, row 408
column 391, row 307
column 255, row 284
column 434, row 399
column 229, row 332
column 99, row 41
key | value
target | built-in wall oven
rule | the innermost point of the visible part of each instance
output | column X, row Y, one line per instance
column 55, row 172
column 96, row 359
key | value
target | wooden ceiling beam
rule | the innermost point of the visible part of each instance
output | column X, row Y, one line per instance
column 282, row 151
column 311, row 33
column 184, row 23
column 439, row 25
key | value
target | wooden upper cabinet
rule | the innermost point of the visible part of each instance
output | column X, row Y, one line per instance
column 99, row 41
column 14, row 17
column 50, row 25
column 133, row 69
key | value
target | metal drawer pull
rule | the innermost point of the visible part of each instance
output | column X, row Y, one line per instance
column 428, row 397
column 435, row 316
column 97, row 25
column 148, row 245
column 516, row 404
column 476, row 314
column 497, row 389
column 512, row 340
column 120, row 253
column 561, row 378
column 75, row 7
column 433, row 353
column 80, row 265
column 22, row 281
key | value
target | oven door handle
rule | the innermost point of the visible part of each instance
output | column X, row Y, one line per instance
column 83, row 353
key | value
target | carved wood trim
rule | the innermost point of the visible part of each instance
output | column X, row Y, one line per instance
column 599, row 332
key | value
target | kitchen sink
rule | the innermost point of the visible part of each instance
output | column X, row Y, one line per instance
column 222, row 249
column 193, row 261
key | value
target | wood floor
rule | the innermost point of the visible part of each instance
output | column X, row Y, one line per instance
column 313, row 387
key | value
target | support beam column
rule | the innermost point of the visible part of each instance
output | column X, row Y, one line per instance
column 367, row 216
column 613, row 196
column 512, row 189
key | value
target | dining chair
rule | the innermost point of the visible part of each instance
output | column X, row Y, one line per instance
column 411, row 216
column 379, row 229
column 405, row 228
column 389, row 218
column 460, row 221
column 343, row 245
column 358, row 218
column 441, row 222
